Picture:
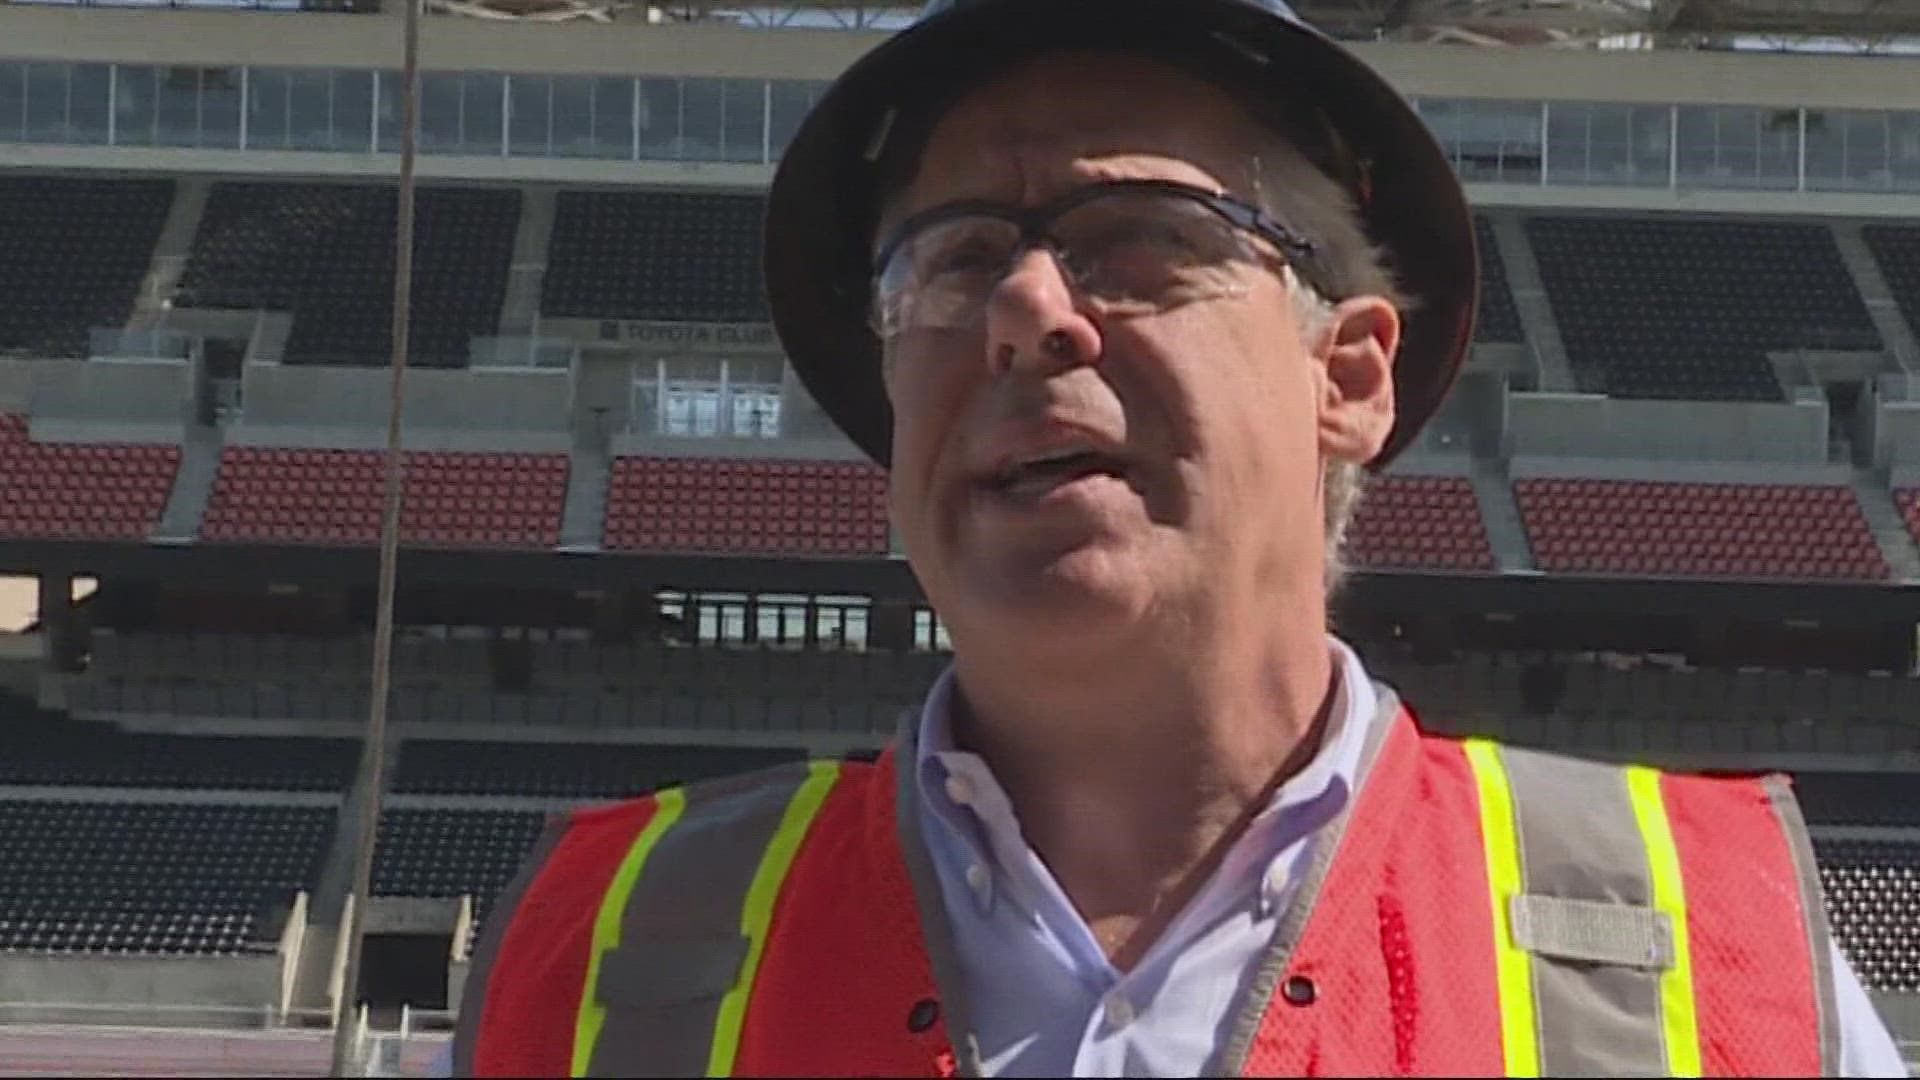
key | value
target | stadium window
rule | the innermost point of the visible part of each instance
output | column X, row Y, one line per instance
column 743, row 123
column 439, row 113
column 47, row 103
column 529, row 105
column 613, row 118
column 790, row 102
column 658, row 124
column 1849, row 150
column 13, row 102
column 134, row 102
column 459, row 113
column 1903, row 150
column 572, row 117
column 269, row 124
column 1488, row 141
column 701, row 115
column 1615, row 145
column 1738, row 146
column 89, row 102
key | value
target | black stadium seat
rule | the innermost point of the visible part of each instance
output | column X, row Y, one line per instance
column 151, row 877
column 1690, row 309
column 567, row 770
column 453, row 852
column 74, row 254
column 655, row 255
column 324, row 252
column 1873, row 898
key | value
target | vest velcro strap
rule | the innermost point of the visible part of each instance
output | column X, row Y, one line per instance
column 653, row 971
column 1593, row 932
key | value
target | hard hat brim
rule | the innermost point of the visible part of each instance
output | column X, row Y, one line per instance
column 822, row 206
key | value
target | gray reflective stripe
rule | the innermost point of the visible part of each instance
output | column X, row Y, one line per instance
column 1813, row 906
column 685, row 910
column 473, row 997
column 1579, row 840
column 934, row 928
column 1590, row 932
column 1293, row 921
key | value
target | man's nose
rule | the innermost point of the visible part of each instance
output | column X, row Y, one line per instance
column 1033, row 320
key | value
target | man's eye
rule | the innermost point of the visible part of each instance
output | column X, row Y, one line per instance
column 973, row 256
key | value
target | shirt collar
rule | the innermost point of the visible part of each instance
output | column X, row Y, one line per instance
column 1328, row 780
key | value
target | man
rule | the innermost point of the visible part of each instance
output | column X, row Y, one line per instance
column 1127, row 295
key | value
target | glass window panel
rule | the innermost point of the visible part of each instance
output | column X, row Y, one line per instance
column 439, row 113
column 1739, row 146
column 177, row 112
column 1488, row 140
column 480, row 113
column 1903, row 150
column 613, row 118
column 700, row 119
column 135, row 102
column 1866, row 153
column 311, row 112
column 573, row 117
column 659, row 119
column 47, row 103
column 1570, row 148
column 391, row 103
column 792, row 99
column 13, row 102
column 220, row 107
column 1826, row 150
column 1652, row 152
column 267, row 92
column 89, row 90
column 528, row 98
column 744, row 120
column 352, row 111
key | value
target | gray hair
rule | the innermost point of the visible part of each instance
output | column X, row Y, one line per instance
column 1342, row 483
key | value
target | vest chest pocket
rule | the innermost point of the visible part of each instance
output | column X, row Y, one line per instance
column 648, row 974
column 1593, row 932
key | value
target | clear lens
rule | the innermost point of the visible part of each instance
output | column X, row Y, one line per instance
column 1128, row 252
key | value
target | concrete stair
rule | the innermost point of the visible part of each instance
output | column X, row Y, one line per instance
column 584, row 517
column 192, row 485
column 520, row 310
column 1895, row 334
column 1871, row 487
column 170, row 253
column 1530, row 300
column 1501, row 515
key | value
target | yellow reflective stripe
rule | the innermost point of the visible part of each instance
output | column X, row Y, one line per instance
column 757, row 914
column 1519, row 1031
column 668, row 806
column 1678, row 1018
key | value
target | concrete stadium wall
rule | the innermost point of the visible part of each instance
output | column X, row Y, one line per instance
column 111, row 400
column 1898, row 435
column 1596, row 426
column 143, row 989
column 16, row 383
column 492, row 410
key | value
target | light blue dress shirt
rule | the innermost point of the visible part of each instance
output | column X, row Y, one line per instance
column 1044, row 1000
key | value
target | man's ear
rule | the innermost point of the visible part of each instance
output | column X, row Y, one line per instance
column 1356, row 352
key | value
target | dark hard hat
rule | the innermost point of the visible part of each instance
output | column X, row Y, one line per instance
column 823, row 207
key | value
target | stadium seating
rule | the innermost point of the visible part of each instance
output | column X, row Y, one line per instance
column 81, row 491
column 567, row 770
column 335, row 497
column 1499, row 319
column 1690, row 309
column 1873, row 899
column 324, row 252
column 1698, row 530
column 1897, row 249
column 151, row 878
column 58, row 751
column 677, row 256
column 1855, row 798
column 1420, row 521
column 75, row 253
column 746, row 506
column 1908, row 500
column 423, row 852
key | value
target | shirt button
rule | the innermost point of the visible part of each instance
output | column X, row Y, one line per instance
column 1119, row 1010
column 960, row 790
column 978, row 879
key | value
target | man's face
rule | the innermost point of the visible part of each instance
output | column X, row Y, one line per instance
column 1211, row 420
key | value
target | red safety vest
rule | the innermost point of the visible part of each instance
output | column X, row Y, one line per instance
column 1479, row 910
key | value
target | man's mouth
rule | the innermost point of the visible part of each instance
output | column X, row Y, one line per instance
column 1039, row 474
